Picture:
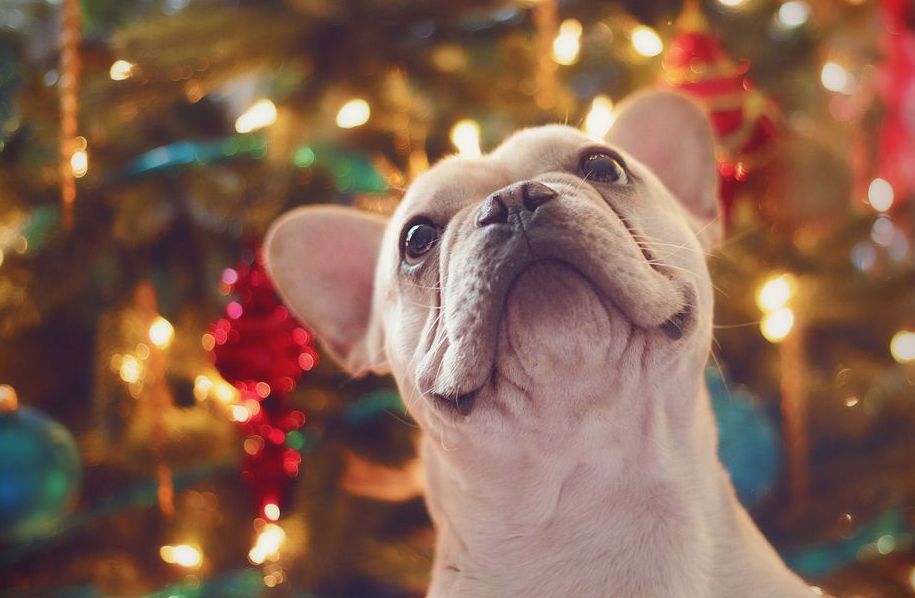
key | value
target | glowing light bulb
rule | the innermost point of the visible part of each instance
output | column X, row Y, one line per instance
column 902, row 346
column 121, row 70
column 261, row 114
column 465, row 135
column 775, row 292
column 184, row 555
column 225, row 392
column 354, row 113
column 880, row 195
column 646, row 41
column 240, row 413
column 79, row 163
column 272, row 511
column 776, row 325
column 835, row 77
column 732, row 3
column 202, row 387
column 600, row 118
column 793, row 14
column 567, row 44
column 268, row 544
column 161, row 332
column 131, row 369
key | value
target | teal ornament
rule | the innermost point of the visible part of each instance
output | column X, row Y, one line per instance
column 749, row 443
column 39, row 470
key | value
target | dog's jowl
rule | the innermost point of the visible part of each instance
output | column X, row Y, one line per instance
column 546, row 311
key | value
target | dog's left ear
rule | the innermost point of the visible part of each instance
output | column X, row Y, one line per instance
column 670, row 134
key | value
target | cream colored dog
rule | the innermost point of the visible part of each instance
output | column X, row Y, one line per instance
column 546, row 311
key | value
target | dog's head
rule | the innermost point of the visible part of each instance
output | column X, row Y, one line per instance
column 535, row 283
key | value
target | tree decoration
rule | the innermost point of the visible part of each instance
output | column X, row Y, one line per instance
column 71, row 151
column 39, row 468
column 742, row 118
column 261, row 349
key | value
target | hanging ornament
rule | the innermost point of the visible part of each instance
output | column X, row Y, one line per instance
column 39, row 469
column 748, row 440
column 261, row 349
column 742, row 118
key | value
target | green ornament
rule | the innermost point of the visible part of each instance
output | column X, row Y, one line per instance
column 39, row 470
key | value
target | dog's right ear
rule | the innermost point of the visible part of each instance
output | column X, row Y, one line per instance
column 322, row 260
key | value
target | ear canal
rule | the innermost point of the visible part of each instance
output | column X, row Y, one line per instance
column 670, row 134
column 322, row 260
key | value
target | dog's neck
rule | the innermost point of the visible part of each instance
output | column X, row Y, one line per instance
column 650, row 515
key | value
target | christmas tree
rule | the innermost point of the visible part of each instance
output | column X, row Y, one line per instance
column 167, row 427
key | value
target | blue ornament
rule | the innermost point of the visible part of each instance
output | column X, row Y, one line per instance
column 749, row 444
column 39, row 470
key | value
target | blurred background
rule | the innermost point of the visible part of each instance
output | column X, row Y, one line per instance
column 168, row 430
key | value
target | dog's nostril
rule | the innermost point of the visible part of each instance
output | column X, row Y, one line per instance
column 493, row 211
column 536, row 194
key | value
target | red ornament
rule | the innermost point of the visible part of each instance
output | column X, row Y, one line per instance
column 742, row 118
column 262, row 350
column 897, row 78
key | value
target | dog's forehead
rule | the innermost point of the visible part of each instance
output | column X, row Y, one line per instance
column 526, row 154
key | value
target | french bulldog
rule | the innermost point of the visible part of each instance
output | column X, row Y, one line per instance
column 546, row 311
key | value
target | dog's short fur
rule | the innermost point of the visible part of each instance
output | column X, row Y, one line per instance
column 551, row 345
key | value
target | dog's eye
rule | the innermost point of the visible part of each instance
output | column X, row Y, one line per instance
column 602, row 168
column 420, row 237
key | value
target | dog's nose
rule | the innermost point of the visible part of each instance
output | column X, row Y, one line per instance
column 528, row 195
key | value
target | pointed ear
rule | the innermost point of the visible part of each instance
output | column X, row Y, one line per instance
column 322, row 259
column 670, row 134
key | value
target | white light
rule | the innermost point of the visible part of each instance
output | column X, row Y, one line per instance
column 793, row 14
column 776, row 325
column 902, row 346
column 161, row 332
column 600, row 118
column 567, row 44
column 272, row 511
column 131, row 369
column 465, row 135
column 261, row 114
column 121, row 70
column 646, row 41
column 732, row 3
column 354, row 113
column 836, row 78
column 79, row 163
column 268, row 544
column 880, row 195
column 775, row 292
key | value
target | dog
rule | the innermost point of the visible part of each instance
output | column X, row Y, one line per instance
column 546, row 311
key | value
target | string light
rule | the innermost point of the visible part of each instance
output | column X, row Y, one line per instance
column 272, row 511
column 183, row 555
column 732, row 3
column 121, row 70
column 902, row 347
column 775, row 292
column 600, row 118
column 161, row 332
column 261, row 114
column 79, row 163
column 880, row 195
column 465, row 135
column 792, row 14
column 775, row 326
column 567, row 44
column 130, row 370
column 268, row 543
column 646, row 41
column 835, row 77
column 354, row 113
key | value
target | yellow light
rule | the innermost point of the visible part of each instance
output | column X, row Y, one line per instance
column 880, row 195
column 775, row 292
column 161, row 332
column 835, row 78
column 225, row 392
column 268, row 544
column 646, row 41
column 261, row 114
column 912, row 578
column 202, row 387
column 79, row 163
column 567, row 44
column 903, row 346
column 354, row 113
column 465, row 135
column 131, row 369
column 732, row 3
column 121, row 70
column 184, row 555
column 776, row 325
column 600, row 118
column 1, row 256
column 272, row 511
column 240, row 413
